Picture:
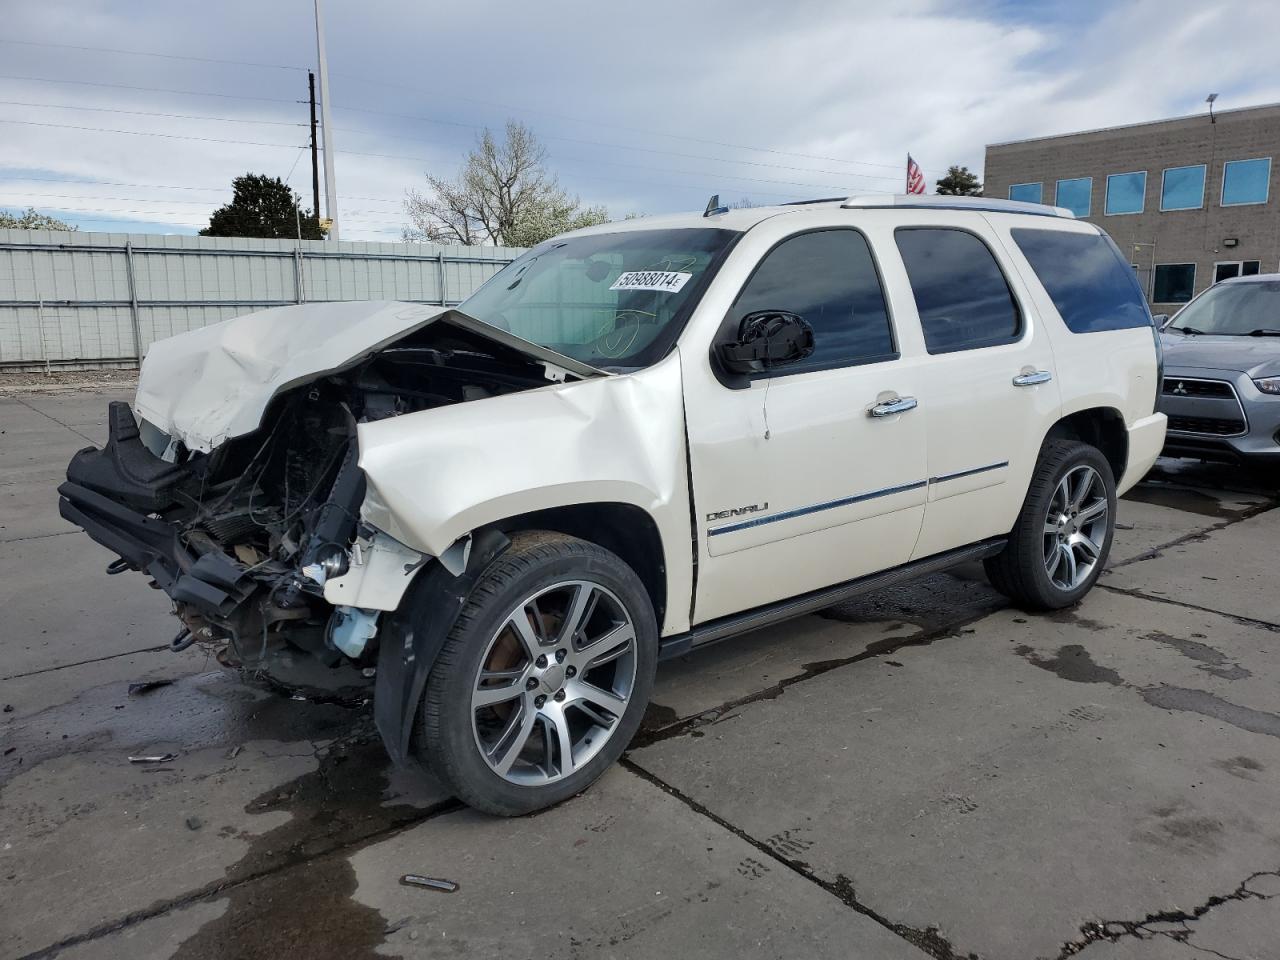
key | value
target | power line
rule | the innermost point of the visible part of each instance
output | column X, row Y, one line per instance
column 650, row 133
column 227, row 96
column 602, row 143
column 713, row 177
column 126, row 86
column 147, row 113
column 147, row 133
column 147, row 53
column 151, row 186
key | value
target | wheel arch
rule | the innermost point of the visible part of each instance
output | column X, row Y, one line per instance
column 1100, row 427
column 621, row 528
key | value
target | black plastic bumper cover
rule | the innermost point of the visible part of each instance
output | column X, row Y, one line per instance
column 111, row 494
column 125, row 470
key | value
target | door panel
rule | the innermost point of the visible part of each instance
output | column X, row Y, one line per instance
column 832, row 494
column 795, row 485
column 990, row 393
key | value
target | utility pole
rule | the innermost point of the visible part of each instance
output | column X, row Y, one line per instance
column 330, row 190
column 315, row 149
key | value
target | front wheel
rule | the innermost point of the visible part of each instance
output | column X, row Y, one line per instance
column 1062, row 537
column 543, row 679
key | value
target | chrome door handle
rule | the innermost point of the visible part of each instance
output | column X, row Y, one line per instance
column 890, row 407
column 1032, row 378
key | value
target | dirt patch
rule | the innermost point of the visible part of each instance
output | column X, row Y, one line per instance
column 61, row 381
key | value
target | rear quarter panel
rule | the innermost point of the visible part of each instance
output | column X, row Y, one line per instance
column 1110, row 369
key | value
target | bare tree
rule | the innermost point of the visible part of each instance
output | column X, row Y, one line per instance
column 503, row 195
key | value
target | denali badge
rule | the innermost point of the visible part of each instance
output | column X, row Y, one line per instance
column 738, row 511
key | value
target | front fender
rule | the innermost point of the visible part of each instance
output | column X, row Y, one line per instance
column 411, row 638
column 437, row 475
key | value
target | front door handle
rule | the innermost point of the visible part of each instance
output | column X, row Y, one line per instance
column 1031, row 378
column 890, row 407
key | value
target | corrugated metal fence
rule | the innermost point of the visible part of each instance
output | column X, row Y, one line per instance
column 101, row 298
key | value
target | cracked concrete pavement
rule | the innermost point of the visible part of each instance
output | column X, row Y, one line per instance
column 925, row 772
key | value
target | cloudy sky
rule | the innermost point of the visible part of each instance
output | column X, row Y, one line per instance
column 135, row 114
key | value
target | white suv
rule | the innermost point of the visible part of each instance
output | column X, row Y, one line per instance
column 634, row 440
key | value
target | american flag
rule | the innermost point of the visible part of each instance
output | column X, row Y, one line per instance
column 915, row 178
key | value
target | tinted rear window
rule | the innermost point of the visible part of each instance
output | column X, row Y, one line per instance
column 962, row 297
column 1086, row 277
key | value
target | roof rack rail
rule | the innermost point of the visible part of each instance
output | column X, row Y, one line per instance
column 942, row 202
column 805, row 203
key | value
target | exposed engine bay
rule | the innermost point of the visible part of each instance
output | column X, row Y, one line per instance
column 243, row 538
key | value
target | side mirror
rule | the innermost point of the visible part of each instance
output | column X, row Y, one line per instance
column 767, row 339
column 1161, row 320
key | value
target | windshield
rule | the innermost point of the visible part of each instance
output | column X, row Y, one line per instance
column 1233, row 309
column 610, row 299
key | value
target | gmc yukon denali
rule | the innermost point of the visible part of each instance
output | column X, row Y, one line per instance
column 634, row 440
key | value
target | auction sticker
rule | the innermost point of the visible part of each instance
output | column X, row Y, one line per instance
column 663, row 281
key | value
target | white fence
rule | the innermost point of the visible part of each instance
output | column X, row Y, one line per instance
column 99, row 299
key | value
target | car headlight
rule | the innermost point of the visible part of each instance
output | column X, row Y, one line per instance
column 1268, row 384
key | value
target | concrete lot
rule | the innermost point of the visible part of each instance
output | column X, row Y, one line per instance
column 923, row 773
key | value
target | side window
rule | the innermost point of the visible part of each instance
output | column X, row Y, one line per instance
column 829, row 279
column 963, row 299
column 1086, row 278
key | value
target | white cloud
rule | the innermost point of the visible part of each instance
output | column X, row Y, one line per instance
column 820, row 78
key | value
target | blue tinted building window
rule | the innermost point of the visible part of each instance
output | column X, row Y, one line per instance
column 1245, row 181
column 1183, row 188
column 1075, row 195
column 1086, row 278
column 1126, row 193
column 1027, row 192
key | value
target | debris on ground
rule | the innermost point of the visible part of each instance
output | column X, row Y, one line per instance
column 154, row 758
column 8, row 708
column 194, row 823
column 146, row 686
column 234, row 752
column 430, row 883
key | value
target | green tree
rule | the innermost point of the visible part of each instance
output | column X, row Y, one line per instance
column 30, row 220
column 959, row 182
column 503, row 195
column 262, row 206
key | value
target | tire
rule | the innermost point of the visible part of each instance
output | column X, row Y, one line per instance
column 512, row 627
column 1033, row 568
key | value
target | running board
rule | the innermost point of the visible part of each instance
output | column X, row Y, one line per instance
column 723, row 628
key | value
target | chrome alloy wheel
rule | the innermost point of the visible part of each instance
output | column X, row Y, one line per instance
column 554, row 682
column 1075, row 527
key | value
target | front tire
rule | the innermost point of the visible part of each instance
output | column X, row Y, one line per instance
column 544, row 677
column 1061, row 540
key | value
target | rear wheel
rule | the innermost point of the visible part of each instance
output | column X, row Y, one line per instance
column 543, row 679
column 1062, row 537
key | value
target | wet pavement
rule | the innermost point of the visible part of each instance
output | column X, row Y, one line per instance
column 925, row 772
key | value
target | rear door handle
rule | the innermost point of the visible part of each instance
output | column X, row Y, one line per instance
column 1032, row 378
column 890, row 407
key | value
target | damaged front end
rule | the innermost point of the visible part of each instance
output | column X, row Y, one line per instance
column 259, row 541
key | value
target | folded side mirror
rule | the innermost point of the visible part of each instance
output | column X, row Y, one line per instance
column 767, row 339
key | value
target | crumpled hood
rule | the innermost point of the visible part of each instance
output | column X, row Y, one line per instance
column 1255, row 356
column 209, row 385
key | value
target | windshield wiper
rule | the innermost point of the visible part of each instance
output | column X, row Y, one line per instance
column 1264, row 333
column 1191, row 330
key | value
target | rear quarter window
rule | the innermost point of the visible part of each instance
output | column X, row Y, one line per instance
column 1087, row 279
